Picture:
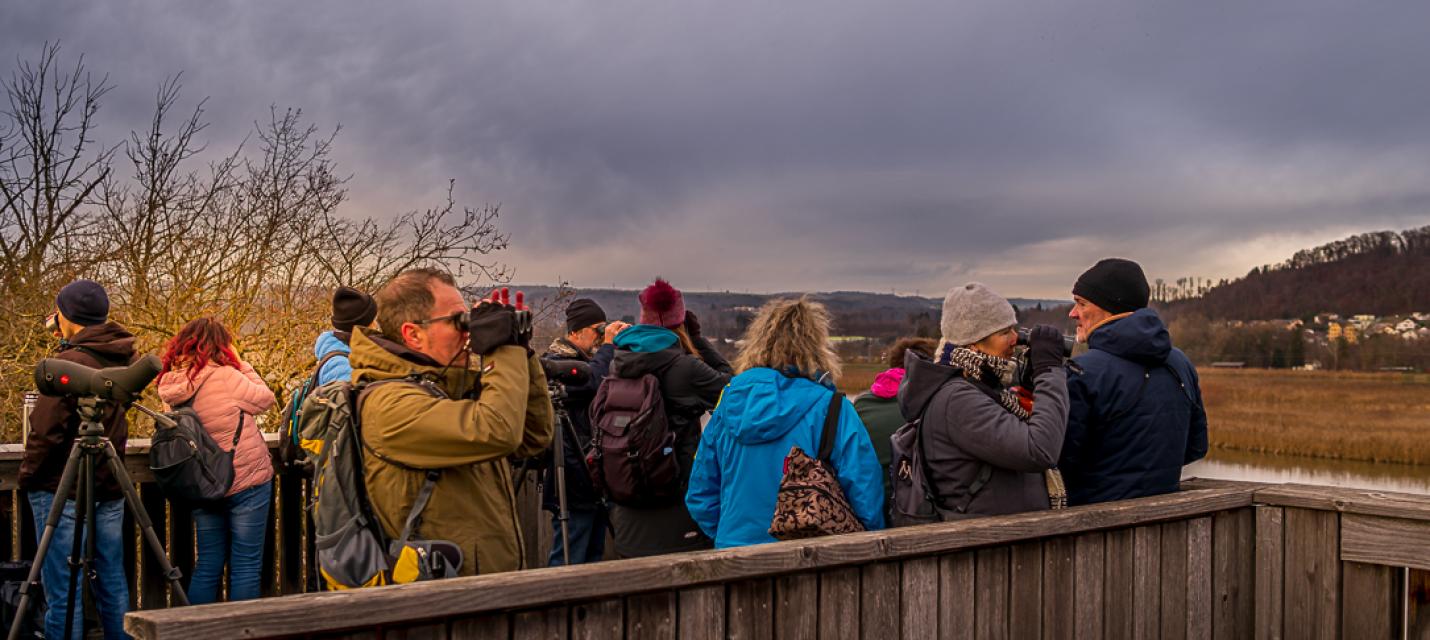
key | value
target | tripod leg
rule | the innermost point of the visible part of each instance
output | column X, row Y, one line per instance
column 563, row 514
column 57, row 508
column 77, row 561
column 146, row 526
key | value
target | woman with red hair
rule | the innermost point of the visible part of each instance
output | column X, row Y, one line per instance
column 203, row 371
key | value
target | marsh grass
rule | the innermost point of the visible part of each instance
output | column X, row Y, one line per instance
column 1375, row 417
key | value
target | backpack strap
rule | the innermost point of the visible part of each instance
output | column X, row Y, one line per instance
column 985, row 470
column 424, row 495
column 414, row 517
column 831, row 427
column 317, row 372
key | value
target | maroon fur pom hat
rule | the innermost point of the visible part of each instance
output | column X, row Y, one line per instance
column 662, row 305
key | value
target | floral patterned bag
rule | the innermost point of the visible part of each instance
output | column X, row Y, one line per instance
column 810, row 501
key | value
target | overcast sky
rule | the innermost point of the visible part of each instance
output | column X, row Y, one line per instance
column 817, row 145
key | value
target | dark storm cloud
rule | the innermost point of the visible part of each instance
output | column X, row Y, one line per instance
column 823, row 145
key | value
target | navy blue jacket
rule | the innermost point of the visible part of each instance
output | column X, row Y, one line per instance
column 580, row 494
column 1136, row 414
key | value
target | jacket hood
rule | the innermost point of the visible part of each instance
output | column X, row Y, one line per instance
column 109, row 339
column 374, row 357
column 762, row 405
column 646, row 338
column 922, row 379
column 886, row 384
column 331, row 341
column 175, row 388
column 1141, row 337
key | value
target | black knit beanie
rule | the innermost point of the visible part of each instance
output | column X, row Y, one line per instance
column 1115, row 284
column 352, row 308
column 83, row 302
column 583, row 312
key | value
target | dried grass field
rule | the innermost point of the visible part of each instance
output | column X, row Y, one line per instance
column 1376, row 417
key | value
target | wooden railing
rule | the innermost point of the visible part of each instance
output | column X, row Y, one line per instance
column 1217, row 560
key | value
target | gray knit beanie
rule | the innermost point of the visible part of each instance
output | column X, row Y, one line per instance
column 973, row 312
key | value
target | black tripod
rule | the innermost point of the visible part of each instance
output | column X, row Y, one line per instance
column 90, row 450
column 558, row 453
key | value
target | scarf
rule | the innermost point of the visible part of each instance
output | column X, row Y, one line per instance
column 993, row 371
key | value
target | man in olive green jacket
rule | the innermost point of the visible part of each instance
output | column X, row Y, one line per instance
column 497, row 407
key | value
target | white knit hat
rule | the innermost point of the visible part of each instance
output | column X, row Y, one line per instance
column 973, row 312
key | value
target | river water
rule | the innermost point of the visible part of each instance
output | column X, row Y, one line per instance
column 1259, row 467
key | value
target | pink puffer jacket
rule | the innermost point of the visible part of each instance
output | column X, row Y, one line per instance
column 220, row 394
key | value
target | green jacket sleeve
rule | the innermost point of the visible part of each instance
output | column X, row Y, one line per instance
column 407, row 425
column 536, row 435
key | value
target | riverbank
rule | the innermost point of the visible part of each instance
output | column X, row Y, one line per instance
column 1371, row 417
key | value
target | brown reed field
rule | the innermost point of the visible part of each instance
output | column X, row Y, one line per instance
column 1376, row 417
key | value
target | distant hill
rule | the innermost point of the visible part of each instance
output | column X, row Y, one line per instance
column 726, row 314
column 1382, row 273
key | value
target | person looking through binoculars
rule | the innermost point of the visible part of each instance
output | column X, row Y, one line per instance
column 477, row 396
column 588, row 339
column 87, row 337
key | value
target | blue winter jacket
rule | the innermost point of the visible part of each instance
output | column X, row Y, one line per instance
column 1136, row 413
column 337, row 368
column 738, row 467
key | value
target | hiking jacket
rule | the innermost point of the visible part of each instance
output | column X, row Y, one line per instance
column 54, row 422
column 222, row 395
column 965, row 430
column 579, row 491
column 737, row 472
column 469, row 435
column 689, row 387
column 338, row 367
column 1136, row 413
column 878, row 408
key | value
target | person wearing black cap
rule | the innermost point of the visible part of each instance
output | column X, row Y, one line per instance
column 1136, row 414
column 588, row 338
column 88, row 337
column 351, row 308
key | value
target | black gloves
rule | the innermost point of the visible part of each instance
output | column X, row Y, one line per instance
column 1045, row 349
column 692, row 325
column 494, row 325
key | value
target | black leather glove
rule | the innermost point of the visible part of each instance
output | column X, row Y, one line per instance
column 1045, row 349
column 494, row 325
column 692, row 325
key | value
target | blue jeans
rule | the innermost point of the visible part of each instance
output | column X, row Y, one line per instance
column 231, row 532
column 111, row 590
column 587, row 528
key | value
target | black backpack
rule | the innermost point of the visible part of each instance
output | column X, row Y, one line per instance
column 188, row 465
column 290, row 448
column 633, row 449
column 13, row 576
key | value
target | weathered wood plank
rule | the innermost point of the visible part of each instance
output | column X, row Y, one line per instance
column 290, row 533
column 1146, row 574
column 1118, row 593
column 879, row 595
column 1174, row 581
column 425, row 631
column 1089, row 556
column 496, row 626
column 1312, row 574
column 1025, row 590
column 604, row 619
column 702, row 613
column 1417, row 609
column 1371, row 601
column 990, row 593
column 1233, row 579
column 748, row 613
column 153, row 588
column 957, row 579
column 650, row 616
column 1199, row 579
column 539, row 624
column 1408, row 506
column 1061, row 597
column 518, row 590
column 1387, row 541
column 1270, row 572
column 797, row 608
column 268, row 571
column 839, row 604
column 919, row 602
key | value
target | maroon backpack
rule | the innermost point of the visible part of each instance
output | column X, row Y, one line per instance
column 633, row 459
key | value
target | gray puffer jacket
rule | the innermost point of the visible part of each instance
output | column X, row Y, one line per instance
column 965, row 429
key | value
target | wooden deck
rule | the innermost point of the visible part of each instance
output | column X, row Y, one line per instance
column 1217, row 560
